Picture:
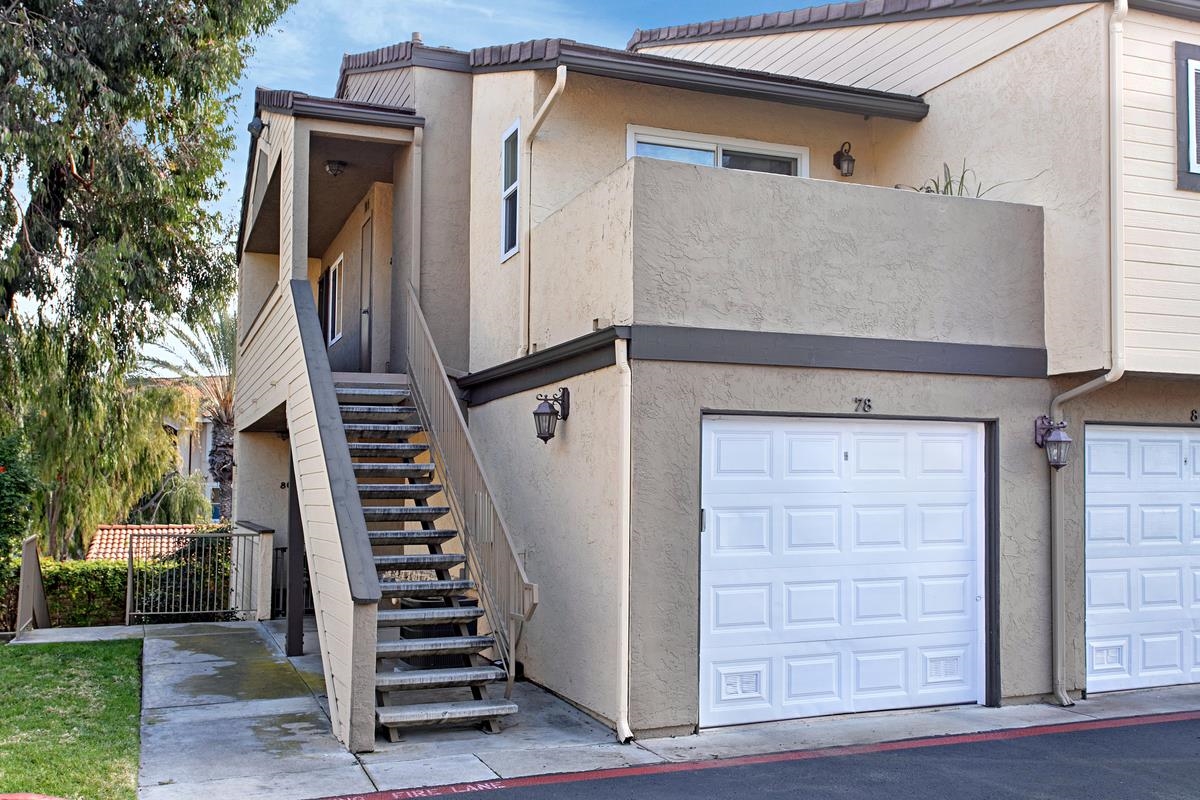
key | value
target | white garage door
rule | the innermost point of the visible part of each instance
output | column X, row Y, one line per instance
column 840, row 567
column 1143, row 557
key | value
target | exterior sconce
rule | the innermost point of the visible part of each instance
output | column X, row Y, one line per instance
column 546, row 415
column 844, row 161
column 257, row 126
column 335, row 168
column 1052, row 437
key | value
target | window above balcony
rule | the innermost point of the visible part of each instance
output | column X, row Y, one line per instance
column 717, row 151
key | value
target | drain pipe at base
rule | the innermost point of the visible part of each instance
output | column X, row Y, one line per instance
column 624, row 734
column 526, row 291
column 1116, row 223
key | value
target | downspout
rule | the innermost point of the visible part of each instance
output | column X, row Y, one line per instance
column 1116, row 239
column 624, row 734
column 560, row 83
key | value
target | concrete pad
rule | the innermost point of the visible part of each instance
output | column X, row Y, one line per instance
column 203, row 714
column 155, row 630
column 192, row 748
column 461, row 768
column 99, row 633
column 1162, row 700
column 320, row 782
column 234, row 646
column 219, row 681
column 543, row 721
column 585, row 758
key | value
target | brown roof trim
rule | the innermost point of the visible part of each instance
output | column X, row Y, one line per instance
column 1184, row 9
column 298, row 104
column 399, row 55
column 691, row 75
column 841, row 15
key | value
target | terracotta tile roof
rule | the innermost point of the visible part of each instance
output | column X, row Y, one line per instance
column 112, row 541
column 832, row 15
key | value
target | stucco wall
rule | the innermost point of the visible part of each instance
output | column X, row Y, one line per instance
column 444, row 99
column 726, row 249
column 583, row 263
column 583, row 140
column 1133, row 400
column 262, row 461
column 1034, row 117
column 668, row 401
column 560, row 501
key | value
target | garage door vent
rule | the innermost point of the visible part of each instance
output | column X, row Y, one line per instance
column 945, row 668
column 741, row 684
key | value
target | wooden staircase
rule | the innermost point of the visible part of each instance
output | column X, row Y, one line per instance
column 429, row 612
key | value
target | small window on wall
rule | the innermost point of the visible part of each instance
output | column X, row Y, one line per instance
column 510, row 179
column 329, row 302
column 714, row 151
column 1187, row 113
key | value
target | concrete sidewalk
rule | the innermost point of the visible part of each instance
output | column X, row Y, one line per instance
column 226, row 714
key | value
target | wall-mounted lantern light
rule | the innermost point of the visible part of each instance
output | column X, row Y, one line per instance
column 257, row 126
column 335, row 168
column 546, row 415
column 1052, row 437
column 844, row 161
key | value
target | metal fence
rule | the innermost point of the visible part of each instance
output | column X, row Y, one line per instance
column 194, row 577
column 279, row 585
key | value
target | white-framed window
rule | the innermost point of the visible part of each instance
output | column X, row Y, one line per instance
column 717, row 151
column 329, row 301
column 510, row 184
column 1193, row 120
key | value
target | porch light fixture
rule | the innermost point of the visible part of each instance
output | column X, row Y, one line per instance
column 335, row 168
column 550, row 411
column 844, row 161
column 1052, row 437
column 257, row 126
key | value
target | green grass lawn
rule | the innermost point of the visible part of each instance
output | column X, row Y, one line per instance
column 69, row 719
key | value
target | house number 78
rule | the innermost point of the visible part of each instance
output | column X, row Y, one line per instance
column 862, row 405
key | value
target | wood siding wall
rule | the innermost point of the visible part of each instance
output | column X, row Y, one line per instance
column 907, row 57
column 390, row 87
column 1162, row 223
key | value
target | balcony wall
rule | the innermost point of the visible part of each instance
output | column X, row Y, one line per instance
column 659, row 243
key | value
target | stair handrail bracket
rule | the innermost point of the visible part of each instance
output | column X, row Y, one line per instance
column 506, row 593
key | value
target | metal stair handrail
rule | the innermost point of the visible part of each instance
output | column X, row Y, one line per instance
column 508, row 597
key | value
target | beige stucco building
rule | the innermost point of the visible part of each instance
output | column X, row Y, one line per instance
column 798, row 475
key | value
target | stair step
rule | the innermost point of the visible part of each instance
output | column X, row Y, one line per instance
column 436, row 646
column 412, row 617
column 358, row 431
column 422, row 561
column 398, row 491
column 388, row 538
column 381, row 413
column 404, row 513
column 373, row 396
column 425, row 588
column 437, row 678
column 421, row 714
column 387, row 449
column 373, row 470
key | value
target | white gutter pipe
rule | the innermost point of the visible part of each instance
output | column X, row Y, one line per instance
column 1116, row 238
column 624, row 733
column 560, row 83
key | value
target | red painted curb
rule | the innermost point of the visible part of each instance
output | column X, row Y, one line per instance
column 773, row 758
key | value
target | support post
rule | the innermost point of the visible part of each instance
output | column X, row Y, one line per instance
column 294, row 645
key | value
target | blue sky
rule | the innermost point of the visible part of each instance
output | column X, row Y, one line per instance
column 305, row 48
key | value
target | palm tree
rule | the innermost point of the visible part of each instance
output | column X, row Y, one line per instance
column 205, row 356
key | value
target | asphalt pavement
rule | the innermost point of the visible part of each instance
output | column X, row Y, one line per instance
column 1145, row 758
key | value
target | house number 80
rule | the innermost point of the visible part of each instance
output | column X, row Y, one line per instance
column 862, row 405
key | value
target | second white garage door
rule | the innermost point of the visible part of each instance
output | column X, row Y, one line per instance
column 1143, row 557
column 840, row 567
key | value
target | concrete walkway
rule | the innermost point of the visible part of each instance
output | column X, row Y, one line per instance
column 226, row 714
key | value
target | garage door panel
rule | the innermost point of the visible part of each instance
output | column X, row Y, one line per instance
column 843, row 577
column 1142, row 580
column 839, row 676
